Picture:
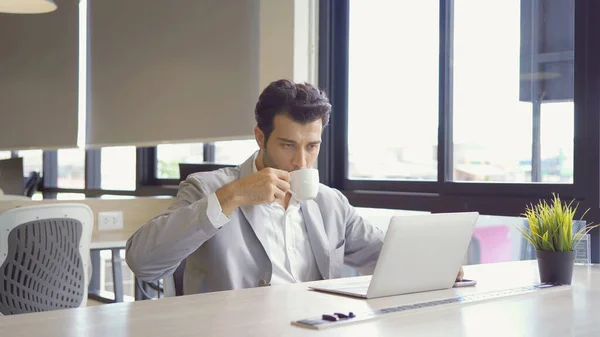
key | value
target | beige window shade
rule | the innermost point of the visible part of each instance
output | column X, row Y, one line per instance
column 171, row 71
column 39, row 79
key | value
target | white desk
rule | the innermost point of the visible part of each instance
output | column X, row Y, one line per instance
column 268, row 311
column 113, row 241
column 109, row 240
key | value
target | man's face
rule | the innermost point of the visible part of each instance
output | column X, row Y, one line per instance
column 292, row 145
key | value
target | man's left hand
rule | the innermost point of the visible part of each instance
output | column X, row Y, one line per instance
column 460, row 274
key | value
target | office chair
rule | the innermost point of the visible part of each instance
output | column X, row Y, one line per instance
column 185, row 169
column 173, row 284
column 168, row 286
column 44, row 257
column 12, row 197
column 473, row 255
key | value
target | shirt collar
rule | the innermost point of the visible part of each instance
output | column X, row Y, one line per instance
column 254, row 156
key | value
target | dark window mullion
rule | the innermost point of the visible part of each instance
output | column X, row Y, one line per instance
column 209, row 152
column 146, row 166
column 445, row 136
column 49, row 173
column 93, row 169
column 333, row 79
column 465, row 188
column 325, row 160
column 586, row 165
column 536, row 93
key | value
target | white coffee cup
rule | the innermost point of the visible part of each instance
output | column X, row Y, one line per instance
column 304, row 184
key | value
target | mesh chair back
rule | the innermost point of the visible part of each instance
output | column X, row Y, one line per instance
column 44, row 257
column 43, row 269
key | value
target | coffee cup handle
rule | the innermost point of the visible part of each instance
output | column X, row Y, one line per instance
column 291, row 192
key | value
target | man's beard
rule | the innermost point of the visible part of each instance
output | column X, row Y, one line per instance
column 268, row 160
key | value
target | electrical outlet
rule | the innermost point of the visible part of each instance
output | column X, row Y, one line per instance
column 110, row 221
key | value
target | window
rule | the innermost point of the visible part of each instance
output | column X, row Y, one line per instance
column 70, row 196
column 118, row 168
column 71, row 168
column 168, row 157
column 77, row 173
column 5, row 154
column 32, row 161
column 116, row 197
column 509, row 111
column 512, row 90
column 423, row 112
column 393, row 89
column 234, row 151
column 557, row 133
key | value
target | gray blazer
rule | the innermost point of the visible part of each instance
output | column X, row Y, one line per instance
column 234, row 256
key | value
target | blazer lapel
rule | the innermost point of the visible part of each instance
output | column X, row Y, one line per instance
column 316, row 235
column 250, row 212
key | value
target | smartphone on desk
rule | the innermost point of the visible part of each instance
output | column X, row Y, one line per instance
column 464, row 283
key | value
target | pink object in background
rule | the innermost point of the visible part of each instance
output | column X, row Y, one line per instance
column 494, row 243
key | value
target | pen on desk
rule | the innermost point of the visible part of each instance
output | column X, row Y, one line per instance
column 331, row 318
column 337, row 316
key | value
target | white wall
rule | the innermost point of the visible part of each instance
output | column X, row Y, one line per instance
column 288, row 41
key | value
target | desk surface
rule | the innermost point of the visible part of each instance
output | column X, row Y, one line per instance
column 268, row 311
column 109, row 239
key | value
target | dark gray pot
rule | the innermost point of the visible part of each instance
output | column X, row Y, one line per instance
column 555, row 267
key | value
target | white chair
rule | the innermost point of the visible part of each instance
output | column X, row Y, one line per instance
column 44, row 257
column 13, row 197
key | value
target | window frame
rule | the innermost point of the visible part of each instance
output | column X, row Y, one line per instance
column 93, row 176
column 146, row 182
column 148, row 170
column 445, row 195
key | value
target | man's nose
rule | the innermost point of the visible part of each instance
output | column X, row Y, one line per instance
column 299, row 160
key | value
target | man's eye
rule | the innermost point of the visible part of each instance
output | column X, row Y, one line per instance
column 288, row 146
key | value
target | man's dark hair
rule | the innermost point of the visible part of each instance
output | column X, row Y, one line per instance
column 303, row 102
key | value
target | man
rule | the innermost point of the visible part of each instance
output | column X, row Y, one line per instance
column 240, row 227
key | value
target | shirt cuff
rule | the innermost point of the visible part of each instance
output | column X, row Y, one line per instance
column 215, row 212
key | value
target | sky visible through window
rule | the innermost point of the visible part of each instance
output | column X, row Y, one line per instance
column 393, row 95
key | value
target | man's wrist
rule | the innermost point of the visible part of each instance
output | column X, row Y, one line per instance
column 228, row 198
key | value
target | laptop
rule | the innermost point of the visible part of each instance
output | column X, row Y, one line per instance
column 419, row 253
column 12, row 180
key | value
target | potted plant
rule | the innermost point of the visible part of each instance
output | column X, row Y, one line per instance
column 550, row 232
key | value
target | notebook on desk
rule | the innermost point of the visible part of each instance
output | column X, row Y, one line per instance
column 419, row 253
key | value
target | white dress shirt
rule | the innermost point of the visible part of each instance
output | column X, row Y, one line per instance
column 288, row 245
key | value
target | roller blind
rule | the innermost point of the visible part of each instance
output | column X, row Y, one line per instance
column 171, row 71
column 39, row 79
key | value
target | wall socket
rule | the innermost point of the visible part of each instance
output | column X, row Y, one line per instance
column 110, row 221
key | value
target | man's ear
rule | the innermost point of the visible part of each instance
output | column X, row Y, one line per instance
column 260, row 137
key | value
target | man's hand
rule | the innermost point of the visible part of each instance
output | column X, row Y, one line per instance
column 460, row 274
column 266, row 185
